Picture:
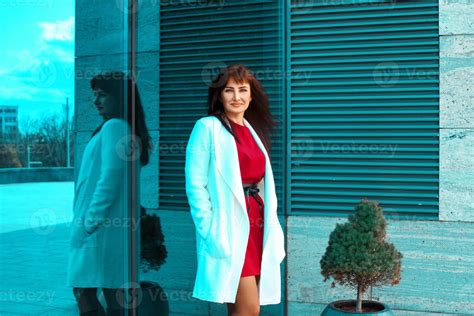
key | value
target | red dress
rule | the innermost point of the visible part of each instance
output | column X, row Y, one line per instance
column 252, row 170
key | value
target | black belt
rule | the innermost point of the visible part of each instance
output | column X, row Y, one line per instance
column 253, row 190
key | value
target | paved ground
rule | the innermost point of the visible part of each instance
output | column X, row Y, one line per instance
column 33, row 248
column 35, row 205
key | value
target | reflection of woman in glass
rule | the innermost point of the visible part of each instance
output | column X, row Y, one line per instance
column 100, row 252
column 231, row 192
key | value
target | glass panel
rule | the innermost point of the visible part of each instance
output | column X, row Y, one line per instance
column 69, row 176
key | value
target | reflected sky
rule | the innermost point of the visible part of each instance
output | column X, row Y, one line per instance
column 37, row 56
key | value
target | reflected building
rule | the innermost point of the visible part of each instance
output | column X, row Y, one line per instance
column 8, row 122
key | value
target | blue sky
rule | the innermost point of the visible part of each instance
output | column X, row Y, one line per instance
column 37, row 56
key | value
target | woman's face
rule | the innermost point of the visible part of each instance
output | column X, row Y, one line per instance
column 235, row 97
column 105, row 104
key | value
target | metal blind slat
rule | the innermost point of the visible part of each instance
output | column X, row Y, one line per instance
column 342, row 58
column 191, row 39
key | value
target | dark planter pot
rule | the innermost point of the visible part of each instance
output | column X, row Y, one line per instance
column 153, row 301
column 347, row 307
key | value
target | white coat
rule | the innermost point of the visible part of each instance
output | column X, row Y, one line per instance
column 101, row 259
column 218, row 209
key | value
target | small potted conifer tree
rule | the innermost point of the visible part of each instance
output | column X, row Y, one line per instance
column 153, row 299
column 358, row 256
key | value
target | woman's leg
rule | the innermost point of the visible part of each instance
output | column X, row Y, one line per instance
column 247, row 302
column 87, row 301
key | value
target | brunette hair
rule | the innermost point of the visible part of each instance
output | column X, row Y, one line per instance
column 113, row 83
column 258, row 113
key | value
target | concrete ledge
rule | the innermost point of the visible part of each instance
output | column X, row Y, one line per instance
column 456, row 175
column 455, row 17
column 21, row 175
column 456, row 66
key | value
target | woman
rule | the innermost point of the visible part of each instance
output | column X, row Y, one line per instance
column 99, row 252
column 231, row 193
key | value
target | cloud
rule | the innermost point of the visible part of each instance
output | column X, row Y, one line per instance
column 62, row 55
column 51, row 54
column 41, row 76
column 17, row 87
column 59, row 30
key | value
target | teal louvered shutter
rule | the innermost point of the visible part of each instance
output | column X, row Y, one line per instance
column 198, row 38
column 364, row 106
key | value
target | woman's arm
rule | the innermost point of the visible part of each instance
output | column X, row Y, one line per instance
column 113, row 168
column 198, row 157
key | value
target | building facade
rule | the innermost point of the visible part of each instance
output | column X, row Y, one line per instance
column 373, row 98
column 8, row 121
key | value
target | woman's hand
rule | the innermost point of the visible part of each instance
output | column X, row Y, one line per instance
column 80, row 234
